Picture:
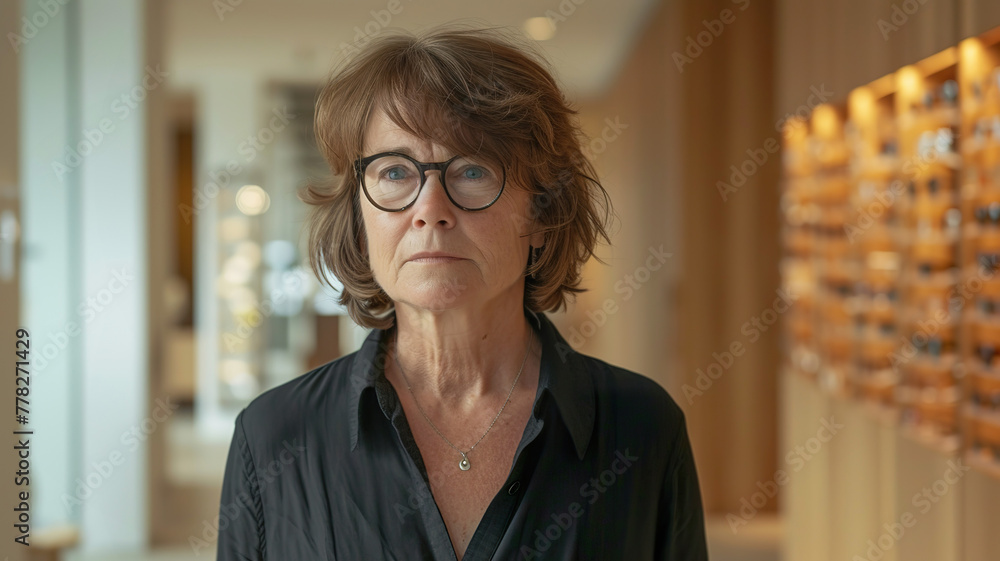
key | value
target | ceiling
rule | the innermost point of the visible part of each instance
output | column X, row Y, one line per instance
column 300, row 40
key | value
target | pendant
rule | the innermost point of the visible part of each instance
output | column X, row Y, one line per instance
column 464, row 465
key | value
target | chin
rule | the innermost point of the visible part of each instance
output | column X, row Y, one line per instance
column 438, row 298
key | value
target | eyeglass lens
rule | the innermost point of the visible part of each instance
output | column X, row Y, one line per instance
column 393, row 182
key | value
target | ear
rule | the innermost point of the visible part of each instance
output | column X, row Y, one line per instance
column 537, row 239
column 537, row 236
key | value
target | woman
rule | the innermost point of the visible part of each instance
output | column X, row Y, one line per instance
column 465, row 427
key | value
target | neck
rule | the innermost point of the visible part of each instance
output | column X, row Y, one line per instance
column 461, row 357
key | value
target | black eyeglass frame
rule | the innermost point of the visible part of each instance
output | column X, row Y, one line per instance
column 361, row 164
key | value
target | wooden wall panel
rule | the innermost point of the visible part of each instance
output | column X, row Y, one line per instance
column 978, row 16
column 865, row 52
column 751, row 250
column 847, row 44
column 664, row 173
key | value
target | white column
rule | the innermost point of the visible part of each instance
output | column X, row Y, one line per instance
column 114, row 81
column 50, row 294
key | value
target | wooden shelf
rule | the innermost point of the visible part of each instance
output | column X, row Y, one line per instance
column 945, row 445
column 982, row 465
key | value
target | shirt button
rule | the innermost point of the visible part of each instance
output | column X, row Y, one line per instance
column 513, row 487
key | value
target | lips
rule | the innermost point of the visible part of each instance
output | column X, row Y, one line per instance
column 434, row 256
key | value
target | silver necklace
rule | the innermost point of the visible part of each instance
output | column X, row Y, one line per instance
column 464, row 463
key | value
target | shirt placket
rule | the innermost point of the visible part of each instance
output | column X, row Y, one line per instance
column 494, row 522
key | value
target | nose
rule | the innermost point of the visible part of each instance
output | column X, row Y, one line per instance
column 432, row 205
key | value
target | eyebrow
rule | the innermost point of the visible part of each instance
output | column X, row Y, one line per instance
column 402, row 150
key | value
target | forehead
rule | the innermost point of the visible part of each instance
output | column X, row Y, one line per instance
column 383, row 135
column 425, row 131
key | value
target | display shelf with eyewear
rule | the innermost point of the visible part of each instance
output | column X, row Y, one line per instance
column 800, row 202
column 836, row 267
column 874, row 235
column 927, row 359
column 980, row 85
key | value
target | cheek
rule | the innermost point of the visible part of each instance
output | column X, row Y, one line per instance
column 382, row 242
column 502, row 237
column 374, row 239
column 514, row 214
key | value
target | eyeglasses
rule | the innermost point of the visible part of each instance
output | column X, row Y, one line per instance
column 392, row 181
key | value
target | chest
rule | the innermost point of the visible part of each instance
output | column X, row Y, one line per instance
column 462, row 497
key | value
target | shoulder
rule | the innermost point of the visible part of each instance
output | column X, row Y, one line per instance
column 294, row 407
column 626, row 387
column 635, row 402
column 622, row 395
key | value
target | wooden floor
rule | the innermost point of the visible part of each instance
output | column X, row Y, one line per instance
column 759, row 540
column 183, row 554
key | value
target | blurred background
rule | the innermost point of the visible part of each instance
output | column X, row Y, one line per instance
column 151, row 248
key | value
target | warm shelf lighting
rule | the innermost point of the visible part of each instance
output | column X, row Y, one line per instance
column 539, row 28
column 825, row 121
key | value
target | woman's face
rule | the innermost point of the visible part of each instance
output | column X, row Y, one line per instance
column 491, row 252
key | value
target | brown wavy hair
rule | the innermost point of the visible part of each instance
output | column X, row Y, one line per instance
column 479, row 91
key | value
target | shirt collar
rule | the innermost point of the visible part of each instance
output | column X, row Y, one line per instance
column 564, row 375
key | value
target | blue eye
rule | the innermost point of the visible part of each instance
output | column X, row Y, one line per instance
column 395, row 173
column 477, row 172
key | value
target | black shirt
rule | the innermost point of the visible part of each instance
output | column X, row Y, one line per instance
column 325, row 467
